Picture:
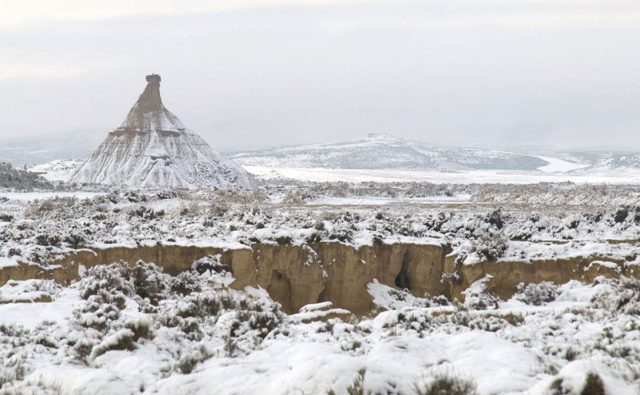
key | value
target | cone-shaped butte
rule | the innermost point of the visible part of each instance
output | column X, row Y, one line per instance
column 152, row 148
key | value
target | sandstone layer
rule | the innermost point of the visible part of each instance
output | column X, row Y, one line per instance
column 297, row 275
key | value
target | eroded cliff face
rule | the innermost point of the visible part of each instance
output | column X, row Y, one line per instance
column 298, row 275
column 319, row 272
column 505, row 275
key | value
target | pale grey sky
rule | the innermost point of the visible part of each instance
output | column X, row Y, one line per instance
column 249, row 73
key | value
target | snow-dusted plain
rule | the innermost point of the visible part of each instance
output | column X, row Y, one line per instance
column 386, row 158
column 547, row 174
column 131, row 330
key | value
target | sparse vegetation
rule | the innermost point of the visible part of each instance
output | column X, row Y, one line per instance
column 446, row 384
column 21, row 180
column 537, row 293
column 193, row 323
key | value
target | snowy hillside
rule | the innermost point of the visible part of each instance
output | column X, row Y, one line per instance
column 384, row 158
column 152, row 148
column 385, row 152
column 17, row 179
column 39, row 149
column 388, row 152
column 56, row 170
column 601, row 162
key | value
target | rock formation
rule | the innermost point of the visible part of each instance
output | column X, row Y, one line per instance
column 152, row 148
column 319, row 272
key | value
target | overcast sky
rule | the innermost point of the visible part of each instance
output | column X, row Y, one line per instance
column 496, row 73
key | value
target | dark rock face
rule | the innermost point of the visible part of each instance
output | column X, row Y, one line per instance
column 149, row 100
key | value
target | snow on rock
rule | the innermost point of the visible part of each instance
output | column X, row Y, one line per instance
column 556, row 165
column 56, row 170
column 152, row 148
column 29, row 291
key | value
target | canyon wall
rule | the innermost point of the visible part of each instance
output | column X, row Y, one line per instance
column 298, row 275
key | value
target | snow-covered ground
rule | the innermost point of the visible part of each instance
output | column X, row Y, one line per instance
column 119, row 331
column 31, row 196
column 381, row 201
column 462, row 177
column 556, row 165
column 57, row 170
column 37, row 223
column 566, row 338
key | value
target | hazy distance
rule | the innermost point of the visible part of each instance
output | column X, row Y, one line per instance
column 248, row 74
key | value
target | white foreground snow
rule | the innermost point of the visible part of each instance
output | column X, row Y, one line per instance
column 399, row 348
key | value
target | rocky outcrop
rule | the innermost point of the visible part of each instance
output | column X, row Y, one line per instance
column 174, row 259
column 298, row 275
column 62, row 274
column 506, row 275
column 153, row 148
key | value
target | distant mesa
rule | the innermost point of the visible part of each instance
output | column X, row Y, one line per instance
column 153, row 148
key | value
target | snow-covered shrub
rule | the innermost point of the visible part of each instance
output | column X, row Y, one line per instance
column 423, row 321
column 357, row 387
column 490, row 245
column 82, row 348
column 141, row 328
column 145, row 282
column 150, row 282
column 537, row 294
column 593, row 385
column 122, row 339
column 186, row 283
column 134, row 196
column 255, row 320
column 48, row 240
column 621, row 215
column 100, row 311
column 477, row 298
column 6, row 217
column 244, row 316
column 75, row 240
column 189, row 359
column 446, row 384
column 111, row 278
column 12, row 360
column 210, row 263
column 622, row 296
column 495, row 218
column 11, row 369
column 485, row 322
column 146, row 213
